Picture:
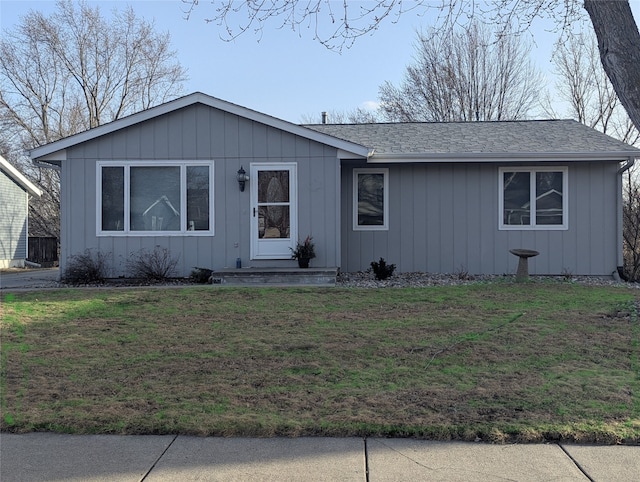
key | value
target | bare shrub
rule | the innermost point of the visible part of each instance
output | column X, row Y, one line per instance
column 156, row 265
column 88, row 267
column 463, row 274
column 567, row 274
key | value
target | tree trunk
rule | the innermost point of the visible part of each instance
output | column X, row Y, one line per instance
column 619, row 46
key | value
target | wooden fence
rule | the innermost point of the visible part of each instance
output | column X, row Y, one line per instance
column 43, row 250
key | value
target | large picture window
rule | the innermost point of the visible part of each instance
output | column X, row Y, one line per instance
column 143, row 198
column 533, row 198
column 371, row 199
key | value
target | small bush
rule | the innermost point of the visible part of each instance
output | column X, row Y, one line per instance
column 463, row 274
column 382, row 270
column 567, row 274
column 156, row 265
column 88, row 267
column 201, row 275
column 304, row 249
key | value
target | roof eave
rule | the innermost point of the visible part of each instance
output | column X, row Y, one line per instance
column 18, row 177
column 502, row 157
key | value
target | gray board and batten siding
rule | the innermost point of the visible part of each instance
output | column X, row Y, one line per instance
column 199, row 132
column 443, row 218
column 13, row 222
column 444, row 196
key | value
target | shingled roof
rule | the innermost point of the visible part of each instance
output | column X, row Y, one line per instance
column 513, row 139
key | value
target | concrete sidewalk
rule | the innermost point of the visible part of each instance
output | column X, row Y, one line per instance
column 46, row 456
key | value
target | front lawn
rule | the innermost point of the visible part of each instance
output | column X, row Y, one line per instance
column 496, row 361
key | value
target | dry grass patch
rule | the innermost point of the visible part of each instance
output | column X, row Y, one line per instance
column 545, row 361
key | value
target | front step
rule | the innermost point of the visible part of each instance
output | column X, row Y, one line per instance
column 276, row 276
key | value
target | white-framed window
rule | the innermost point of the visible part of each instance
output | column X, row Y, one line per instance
column 371, row 199
column 165, row 198
column 533, row 198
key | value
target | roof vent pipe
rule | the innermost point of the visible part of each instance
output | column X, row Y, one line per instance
column 325, row 117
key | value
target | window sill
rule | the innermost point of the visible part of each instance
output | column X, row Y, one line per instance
column 143, row 234
column 533, row 228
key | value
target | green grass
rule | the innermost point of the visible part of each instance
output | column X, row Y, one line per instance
column 500, row 361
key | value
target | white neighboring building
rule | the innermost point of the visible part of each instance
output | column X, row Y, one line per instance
column 15, row 190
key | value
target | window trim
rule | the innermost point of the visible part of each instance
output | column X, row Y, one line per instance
column 385, row 208
column 532, row 180
column 127, row 206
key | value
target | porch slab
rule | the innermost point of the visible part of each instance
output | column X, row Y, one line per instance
column 276, row 276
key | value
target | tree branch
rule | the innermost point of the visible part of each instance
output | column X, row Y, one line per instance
column 619, row 46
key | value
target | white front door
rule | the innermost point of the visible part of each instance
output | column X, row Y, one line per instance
column 274, row 210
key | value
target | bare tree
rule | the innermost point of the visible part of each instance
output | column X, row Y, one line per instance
column 584, row 85
column 339, row 24
column 44, row 211
column 469, row 75
column 619, row 46
column 71, row 71
column 333, row 24
column 76, row 69
column 631, row 227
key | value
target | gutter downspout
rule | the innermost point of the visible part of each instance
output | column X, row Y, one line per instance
column 620, row 225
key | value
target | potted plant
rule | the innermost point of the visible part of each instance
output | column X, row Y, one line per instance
column 304, row 252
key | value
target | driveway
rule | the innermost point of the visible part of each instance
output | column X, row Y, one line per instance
column 21, row 279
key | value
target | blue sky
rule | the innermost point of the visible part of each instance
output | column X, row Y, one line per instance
column 279, row 72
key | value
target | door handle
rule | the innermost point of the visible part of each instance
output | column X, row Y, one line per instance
column 254, row 212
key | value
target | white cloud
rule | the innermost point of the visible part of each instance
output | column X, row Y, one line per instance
column 370, row 105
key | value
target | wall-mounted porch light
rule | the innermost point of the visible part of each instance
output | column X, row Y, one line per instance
column 242, row 177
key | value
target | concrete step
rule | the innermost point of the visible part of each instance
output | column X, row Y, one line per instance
column 275, row 276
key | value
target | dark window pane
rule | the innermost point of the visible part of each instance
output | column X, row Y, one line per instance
column 155, row 198
column 274, row 218
column 370, row 199
column 197, row 198
column 113, row 198
column 273, row 186
column 274, row 222
column 517, row 198
column 549, row 198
